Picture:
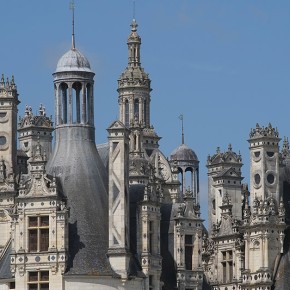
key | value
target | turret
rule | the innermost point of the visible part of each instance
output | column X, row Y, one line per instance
column 77, row 165
column 33, row 129
column 8, row 124
column 264, row 152
column 224, row 177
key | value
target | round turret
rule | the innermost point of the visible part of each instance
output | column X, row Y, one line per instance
column 77, row 166
column 186, row 162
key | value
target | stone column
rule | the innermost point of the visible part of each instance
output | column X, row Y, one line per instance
column 266, row 251
column 183, row 181
column 262, row 251
column 58, row 105
column 78, row 109
column 246, row 252
column 91, row 105
column 84, row 105
column 64, row 106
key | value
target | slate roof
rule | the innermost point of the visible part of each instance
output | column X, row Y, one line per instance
column 168, row 274
column 183, row 153
column 282, row 279
column 83, row 179
column 103, row 150
column 5, row 272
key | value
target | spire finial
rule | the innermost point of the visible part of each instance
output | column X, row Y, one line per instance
column 182, row 129
column 134, row 12
column 72, row 7
column 134, row 25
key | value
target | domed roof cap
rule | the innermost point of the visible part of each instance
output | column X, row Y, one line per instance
column 73, row 61
column 183, row 153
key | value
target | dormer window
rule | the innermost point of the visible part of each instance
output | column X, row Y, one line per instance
column 38, row 233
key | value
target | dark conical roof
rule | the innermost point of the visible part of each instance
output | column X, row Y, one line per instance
column 82, row 175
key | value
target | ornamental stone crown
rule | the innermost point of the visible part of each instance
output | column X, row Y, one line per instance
column 8, row 89
column 260, row 132
column 40, row 120
column 224, row 157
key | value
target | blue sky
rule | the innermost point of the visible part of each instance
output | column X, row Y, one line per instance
column 224, row 65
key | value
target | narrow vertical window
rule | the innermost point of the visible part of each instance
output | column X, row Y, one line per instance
column 145, row 113
column 150, row 236
column 227, row 266
column 136, row 109
column 188, row 251
column 126, row 113
column 76, row 90
column 64, row 88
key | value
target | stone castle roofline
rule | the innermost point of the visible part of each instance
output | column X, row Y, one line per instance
column 264, row 132
column 40, row 121
column 8, row 89
column 228, row 158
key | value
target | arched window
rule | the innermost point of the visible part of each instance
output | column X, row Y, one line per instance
column 180, row 178
column 189, row 179
column 77, row 87
column 145, row 112
column 136, row 109
column 64, row 88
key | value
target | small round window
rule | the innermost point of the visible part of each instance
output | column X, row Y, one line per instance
column 2, row 114
column 257, row 178
column 257, row 154
column 270, row 178
column 2, row 140
column 270, row 153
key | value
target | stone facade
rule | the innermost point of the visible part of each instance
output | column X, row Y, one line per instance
column 246, row 241
column 124, row 216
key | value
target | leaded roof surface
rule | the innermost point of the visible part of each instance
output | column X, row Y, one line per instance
column 83, row 178
column 73, row 60
column 183, row 153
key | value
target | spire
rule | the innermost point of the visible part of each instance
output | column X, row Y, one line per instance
column 72, row 7
column 134, row 11
column 134, row 43
column 182, row 129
